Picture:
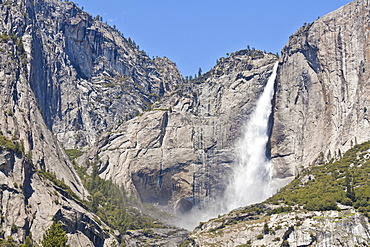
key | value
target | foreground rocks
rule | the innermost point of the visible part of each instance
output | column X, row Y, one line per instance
column 166, row 141
column 297, row 228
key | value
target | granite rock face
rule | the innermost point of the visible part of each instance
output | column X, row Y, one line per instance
column 87, row 77
column 331, row 228
column 323, row 90
column 166, row 141
column 180, row 153
column 30, row 153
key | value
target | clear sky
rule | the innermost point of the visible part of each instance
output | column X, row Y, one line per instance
column 195, row 33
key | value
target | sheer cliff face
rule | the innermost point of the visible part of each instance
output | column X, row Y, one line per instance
column 28, row 201
column 85, row 75
column 323, row 90
column 181, row 152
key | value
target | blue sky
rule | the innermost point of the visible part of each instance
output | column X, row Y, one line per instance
column 195, row 33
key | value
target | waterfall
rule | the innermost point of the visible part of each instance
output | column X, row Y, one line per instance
column 251, row 179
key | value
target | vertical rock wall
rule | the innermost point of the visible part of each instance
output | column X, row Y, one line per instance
column 29, row 202
column 180, row 153
column 323, row 90
column 86, row 76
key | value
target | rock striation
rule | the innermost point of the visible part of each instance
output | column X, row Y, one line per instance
column 69, row 80
column 38, row 183
column 322, row 94
column 87, row 77
column 181, row 152
column 294, row 229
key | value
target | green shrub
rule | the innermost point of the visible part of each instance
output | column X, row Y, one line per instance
column 346, row 201
column 14, row 229
column 11, row 146
column 285, row 244
column 319, row 204
column 4, row 38
column 55, row 236
column 73, row 153
column 260, row 236
column 343, row 179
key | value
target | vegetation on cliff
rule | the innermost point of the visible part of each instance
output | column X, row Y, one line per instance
column 333, row 194
column 344, row 179
column 55, row 236
column 110, row 202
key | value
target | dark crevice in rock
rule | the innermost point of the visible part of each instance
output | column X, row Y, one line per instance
column 163, row 128
column 74, row 222
column 313, row 240
column 27, row 183
column 288, row 232
column 271, row 117
column 281, row 155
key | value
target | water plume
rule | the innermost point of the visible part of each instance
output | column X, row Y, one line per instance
column 250, row 181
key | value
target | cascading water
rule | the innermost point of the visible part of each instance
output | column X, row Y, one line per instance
column 251, row 178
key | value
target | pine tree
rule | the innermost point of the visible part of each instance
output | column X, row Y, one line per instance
column 350, row 191
column 200, row 71
column 55, row 236
column 266, row 228
column 28, row 242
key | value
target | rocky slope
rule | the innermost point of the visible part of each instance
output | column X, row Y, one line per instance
column 42, row 57
column 168, row 142
column 327, row 205
column 323, row 90
column 298, row 228
column 180, row 153
column 86, row 76
column 34, row 171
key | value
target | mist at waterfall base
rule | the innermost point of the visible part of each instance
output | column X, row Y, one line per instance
column 251, row 180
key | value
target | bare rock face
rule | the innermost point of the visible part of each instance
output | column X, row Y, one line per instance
column 30, row 156
column 331, row 228
column 30, row 203
column 181, row 152
column 323, row 90
column 86, row 76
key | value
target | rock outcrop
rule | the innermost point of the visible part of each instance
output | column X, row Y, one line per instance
column 323, row 90
column 294, row 229
column 38, row 183
column 87, row 77
column 181, row 152
column 67, row 79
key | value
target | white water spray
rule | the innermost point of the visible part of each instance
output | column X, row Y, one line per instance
column 251, row 178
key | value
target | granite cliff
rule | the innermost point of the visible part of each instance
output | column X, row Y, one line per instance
column 57, row 63
column 180, row 153
column 323, row 89
column 86, row 75
column 38, row 182
column 69, row 80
